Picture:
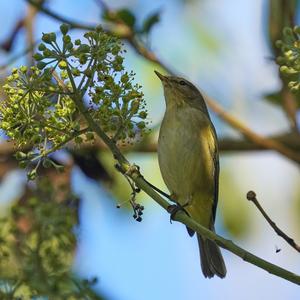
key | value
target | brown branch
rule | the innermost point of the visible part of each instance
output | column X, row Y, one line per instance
column 29, row 26
column 148, row 145
column 251, row 196
column 290, row 140
column 58, row 17
column 7, row 44
column 251, row 135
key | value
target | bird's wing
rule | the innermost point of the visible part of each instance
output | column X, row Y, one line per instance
column 215, row 157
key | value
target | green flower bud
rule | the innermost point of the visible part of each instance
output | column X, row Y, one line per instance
column 134, row 107
column 23, row 69
column 292, row 84
column 47, row 53
column 82, row 59
column 52, row 36
column 75, row 72
column 41, row 65
column 66, row 39
column 297, row 44
column 295, row 89
column 46, row 38
column 77, row 42
column 141, row 125
column 287, row 71
column 119, row 59
column 31, row 154
column 64, row 74
column 62, row 64
column 42, row 47
column 143, row 114
column 83, row 48
column 69, row 46
column 297, row 29
column 23, row 164
column 64, row 28
column 124, row 78
column 118, row 68
column 32, row 174
column 38, row 56
column 115, row 50
column 20, row 155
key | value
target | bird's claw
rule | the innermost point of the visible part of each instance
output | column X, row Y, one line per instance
column 174, row 209
column 132, row 169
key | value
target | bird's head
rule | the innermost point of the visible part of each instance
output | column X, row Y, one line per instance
column 179, row 91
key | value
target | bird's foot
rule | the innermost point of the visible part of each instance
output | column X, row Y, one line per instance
column 175, row 208
column 132, row 169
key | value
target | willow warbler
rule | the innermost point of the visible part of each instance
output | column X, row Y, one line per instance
column 189, row 162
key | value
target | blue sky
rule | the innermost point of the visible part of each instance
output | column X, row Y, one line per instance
column 227, row 60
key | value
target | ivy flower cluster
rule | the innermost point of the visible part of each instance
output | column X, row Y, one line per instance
column 41, row 108
column 289, row 61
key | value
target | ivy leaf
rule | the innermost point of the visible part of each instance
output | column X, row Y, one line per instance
column 126, row 16
column 150, row 22
column 274, row 98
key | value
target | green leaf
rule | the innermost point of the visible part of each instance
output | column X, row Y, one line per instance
column 150, row 22
column 126, row 16
column 276, row 99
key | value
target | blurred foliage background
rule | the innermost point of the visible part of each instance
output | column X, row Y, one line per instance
column 62, row 236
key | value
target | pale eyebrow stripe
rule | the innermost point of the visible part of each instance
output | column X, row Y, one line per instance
column 177, row 80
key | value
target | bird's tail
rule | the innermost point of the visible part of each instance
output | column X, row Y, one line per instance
column 212, row 262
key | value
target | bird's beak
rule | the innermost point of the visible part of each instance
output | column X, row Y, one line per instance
column 160, row 76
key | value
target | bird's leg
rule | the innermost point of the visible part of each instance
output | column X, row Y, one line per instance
column 173, row 197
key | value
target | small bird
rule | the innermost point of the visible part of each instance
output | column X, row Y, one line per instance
column 189, row 162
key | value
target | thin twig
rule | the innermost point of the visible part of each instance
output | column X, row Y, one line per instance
column 50, row 13
column 102, row 4
column 251, row 196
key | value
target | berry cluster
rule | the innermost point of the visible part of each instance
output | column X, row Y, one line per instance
column 289, row 61
column 41, row 112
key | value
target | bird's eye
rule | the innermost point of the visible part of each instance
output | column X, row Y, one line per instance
column 182, row 82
